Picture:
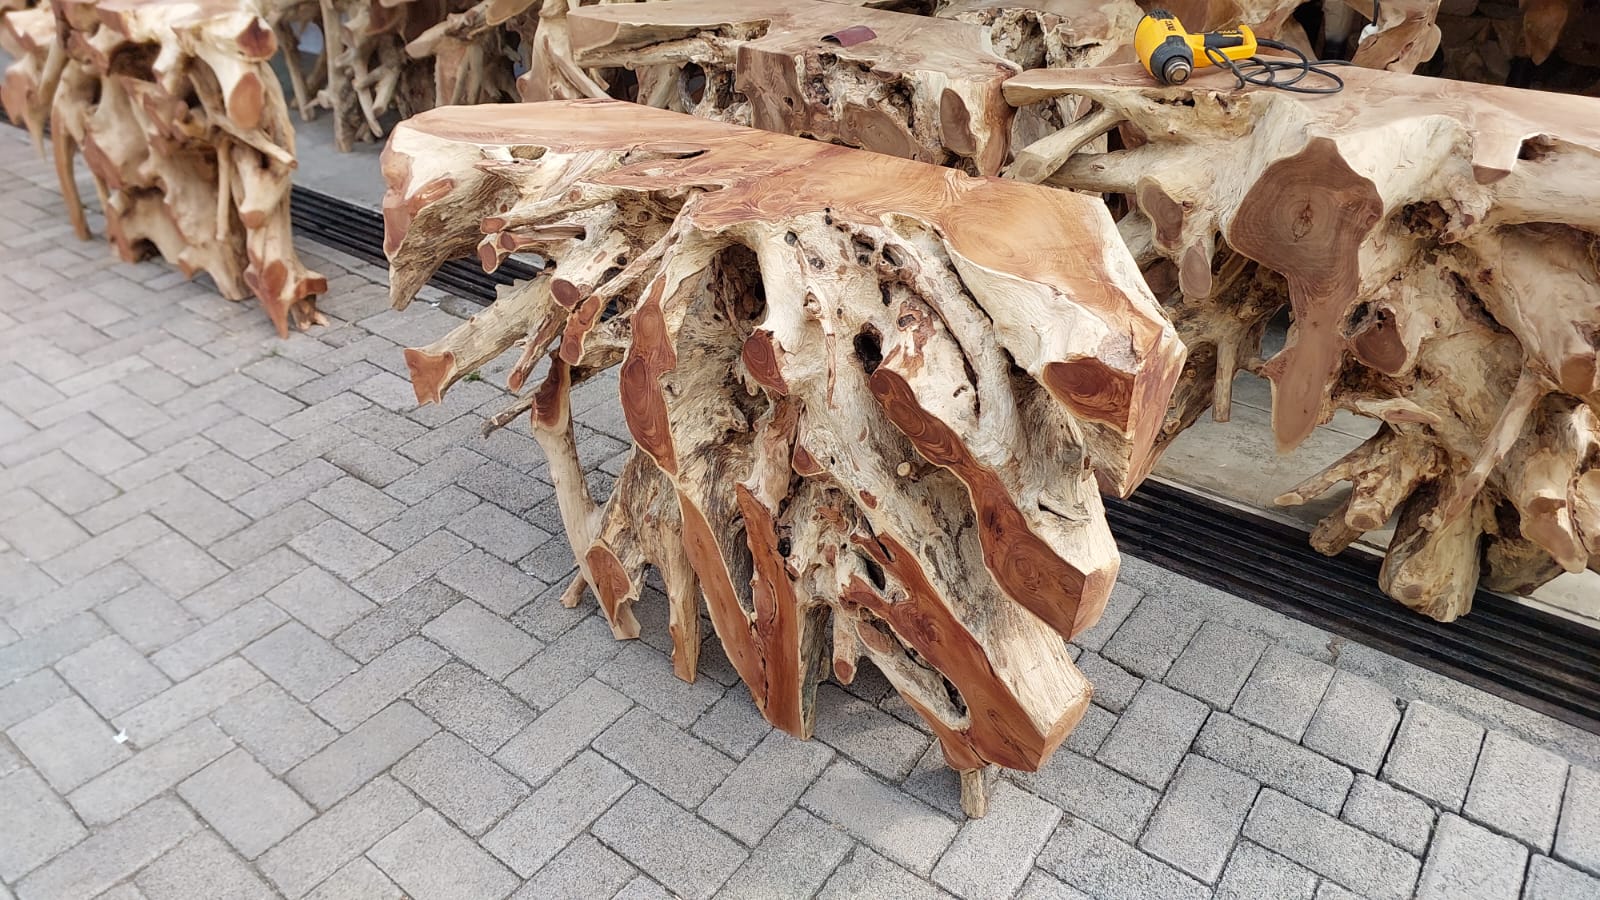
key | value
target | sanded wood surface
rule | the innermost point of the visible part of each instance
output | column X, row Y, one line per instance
column 868, row 409
column 1455, row 298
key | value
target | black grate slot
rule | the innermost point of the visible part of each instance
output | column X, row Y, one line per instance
column 358, row 231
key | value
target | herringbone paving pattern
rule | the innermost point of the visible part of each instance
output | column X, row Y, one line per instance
column 269, row 629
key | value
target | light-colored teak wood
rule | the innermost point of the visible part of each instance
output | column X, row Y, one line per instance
column 1455, row 297
column 910, row 86
column 179, row 118
column 869, row 398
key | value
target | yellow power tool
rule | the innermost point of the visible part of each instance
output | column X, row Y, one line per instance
column 1171, row 54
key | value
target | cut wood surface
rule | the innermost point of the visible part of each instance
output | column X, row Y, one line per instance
column 1455, row 298
column 910, row 86
column 869, row 397
column 179, row 118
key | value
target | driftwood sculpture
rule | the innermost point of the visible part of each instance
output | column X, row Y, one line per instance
column 868, row 415
column 918, row 88
column 1455, row 298
column 183, row 128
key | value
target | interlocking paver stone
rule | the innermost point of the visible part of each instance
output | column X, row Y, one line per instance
column 340, row 834
column 1392, row 814
column 1283, row 692
column 340, row 549
column 1215, row 664
column 1354, row 724
column 991, row 856
column 396, row 620
column 111, row 854
column 562, row 731
column 433, row 861
column 1151, row 638
column 458, row 781
column 665, row 757
column 1153, row 734
column 219, row 639
column 320, row 601
column 379, row 683
column 1254, row 871
column 1099, row 864
column 1434, row 754
column 1114, row 686
column 1550, row 880
column 374, row 745
column 867, row 734
column 129, row 785
column 188, row 700
column 585, row 867
column 358, row 879
column 1274, row 762
column 245, row 803
column 32, row 694
column 903, row 829
column 1090, row 791
column 299, row 660
column 201, row 866
column 148, row 618
column 67, row 743
column 686, row 855
column 866, row 874
column 481, row 638
column 1517, row 789
column 1578, row 834
column 51, row 827
column 278, row 730
column 754, row 797
column 1469, row 861
column 1331, row 848
column 534, row 833
column 475, row 708
column 1196, row 822
column 794, row 861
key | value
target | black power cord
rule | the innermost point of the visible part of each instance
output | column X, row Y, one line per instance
column 1265, row 72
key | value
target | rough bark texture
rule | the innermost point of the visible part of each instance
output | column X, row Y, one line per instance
column 1455, row 298
column 181, row 123
column 868, row 409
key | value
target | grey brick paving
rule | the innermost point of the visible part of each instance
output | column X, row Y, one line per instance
column 1197, row 821
column 245, row 803
column 1550, row 880
column 1216, row 664
column 1578, row 833
column 1283, row 692
column 374, row 745
column 903, row 829
column 694, row 864
column 1154, row 732
column 1402, row 819
column 433, row 861
column 458, row 781
column 1517, row 790
column 1434, row 754
column 1275, row 762
column 1354, row 724
column 322, row 624
column 1254, row 871
column 1470, row 861
column 991, row 856
column 1337, row 851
